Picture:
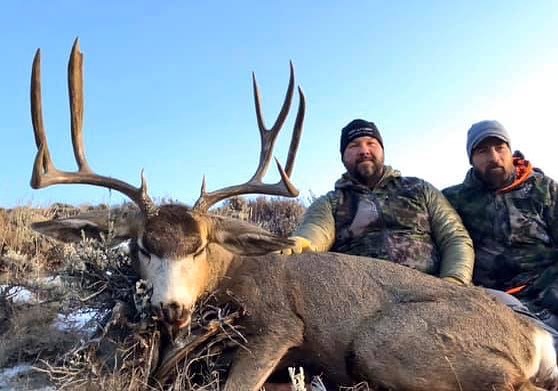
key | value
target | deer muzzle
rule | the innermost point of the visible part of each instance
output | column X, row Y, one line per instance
column 175, row 315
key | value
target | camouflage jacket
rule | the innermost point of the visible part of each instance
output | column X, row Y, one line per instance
column 402, row 219
column 515, row 233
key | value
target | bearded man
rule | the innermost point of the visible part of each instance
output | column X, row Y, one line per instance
column 511, row 211
column 374, row 211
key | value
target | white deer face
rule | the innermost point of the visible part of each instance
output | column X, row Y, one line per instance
column 177, row 283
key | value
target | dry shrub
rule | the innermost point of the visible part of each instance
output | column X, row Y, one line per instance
column 20, row 247
column 127, row 346
column 126, row 354
column 278, row 215
column 15, row 227
column 24, row 254
column 27, row 332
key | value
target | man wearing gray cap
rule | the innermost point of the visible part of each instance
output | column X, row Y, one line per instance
column 511, row 212
column 374, row 211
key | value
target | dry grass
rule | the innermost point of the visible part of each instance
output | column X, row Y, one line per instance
column 278, row 215
column 23, row 335
column 24, row 254
column 130, row 349
column 124, row 348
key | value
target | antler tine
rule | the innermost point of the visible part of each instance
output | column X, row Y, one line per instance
column 75, row 92
column 44, row 172
column 42, row 160
column 255, row 185
column 268, row 136
column 297, row 133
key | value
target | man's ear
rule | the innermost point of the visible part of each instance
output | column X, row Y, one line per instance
column 244, row 238
column 95, row 224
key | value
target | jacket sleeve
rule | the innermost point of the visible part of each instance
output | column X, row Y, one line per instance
column 451, row 237
column 318, row 225
column 551, row 214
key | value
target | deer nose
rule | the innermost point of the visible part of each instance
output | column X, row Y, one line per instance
column 176, row 314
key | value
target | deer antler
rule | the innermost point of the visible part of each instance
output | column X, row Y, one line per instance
column 44, row 172
column 267, row 136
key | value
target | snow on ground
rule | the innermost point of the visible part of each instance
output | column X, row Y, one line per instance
column 18, row 294
column 81, row 321
column 17, row 378
column 21, row 295
column 22, row 377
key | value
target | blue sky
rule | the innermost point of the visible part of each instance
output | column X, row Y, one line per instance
column 168, row 87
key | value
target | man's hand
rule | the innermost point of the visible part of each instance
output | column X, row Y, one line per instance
column 301, row 245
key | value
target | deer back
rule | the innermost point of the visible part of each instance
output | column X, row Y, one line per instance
column 367, row 319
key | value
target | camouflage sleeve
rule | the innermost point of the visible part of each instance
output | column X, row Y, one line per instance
column 551, row 215
column 451, row 237
column 318, row 225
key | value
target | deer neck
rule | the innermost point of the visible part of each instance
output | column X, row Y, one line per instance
column 223, row 264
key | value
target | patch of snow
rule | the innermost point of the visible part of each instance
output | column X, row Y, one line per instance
column 18, row 294
column 12, row 372
column 21, row 295
column 80, row 320
column 11, row 379
column 123, row 247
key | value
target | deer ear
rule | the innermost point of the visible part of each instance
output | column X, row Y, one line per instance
column 91, row 225
column 68, row 229
column 243, row 238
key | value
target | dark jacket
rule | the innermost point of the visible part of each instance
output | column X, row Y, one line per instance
column 515, row 232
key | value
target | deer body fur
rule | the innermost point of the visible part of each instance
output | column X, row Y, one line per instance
column 360, row 319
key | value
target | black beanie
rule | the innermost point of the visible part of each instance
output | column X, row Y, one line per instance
column 359, row 128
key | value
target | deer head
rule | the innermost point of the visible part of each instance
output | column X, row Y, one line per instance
column 182, row 251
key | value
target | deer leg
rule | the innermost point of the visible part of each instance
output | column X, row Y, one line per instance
column 251, row 368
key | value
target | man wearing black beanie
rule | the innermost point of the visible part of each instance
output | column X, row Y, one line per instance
column 366, row 168
column 376, row 212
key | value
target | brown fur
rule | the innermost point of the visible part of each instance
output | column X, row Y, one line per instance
column 360, row 319
column 173, row 232
column 352, row 318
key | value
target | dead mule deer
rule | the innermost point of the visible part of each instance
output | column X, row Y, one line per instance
column 354, row 318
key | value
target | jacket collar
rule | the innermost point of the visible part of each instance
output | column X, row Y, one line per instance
column 523, row 170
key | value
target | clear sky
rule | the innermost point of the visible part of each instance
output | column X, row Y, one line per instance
column 168, row 87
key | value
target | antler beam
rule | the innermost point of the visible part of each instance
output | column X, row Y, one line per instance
column 44, row 172
column 267, row 137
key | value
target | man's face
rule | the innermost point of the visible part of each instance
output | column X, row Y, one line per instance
column 493, row 162
column 364, row 159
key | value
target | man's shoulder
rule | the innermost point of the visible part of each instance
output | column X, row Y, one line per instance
column 453, row 191
column 540, row 178
column 332, row 195
column 537, row 187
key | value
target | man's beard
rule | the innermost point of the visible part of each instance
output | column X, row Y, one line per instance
column 369, row 173
column 495, row 176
